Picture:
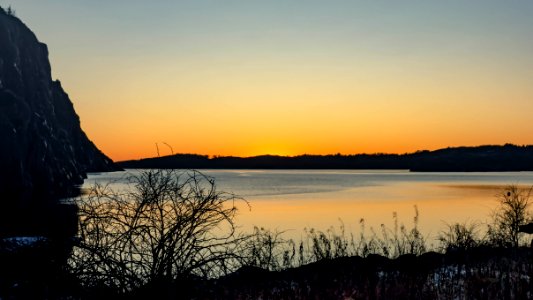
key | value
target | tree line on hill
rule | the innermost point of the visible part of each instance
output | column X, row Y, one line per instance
column 459, row 159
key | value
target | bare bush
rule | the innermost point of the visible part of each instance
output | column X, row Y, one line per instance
column 460, row 236
column 169, row 225
column 512, row 212
column 268, row 250
column 328, row 244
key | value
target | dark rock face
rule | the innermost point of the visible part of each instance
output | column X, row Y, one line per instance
column 44, row 153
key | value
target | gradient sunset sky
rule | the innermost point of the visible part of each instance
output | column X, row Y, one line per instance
column 291, row 77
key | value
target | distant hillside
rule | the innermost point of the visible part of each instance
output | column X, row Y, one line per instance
column 459, row 159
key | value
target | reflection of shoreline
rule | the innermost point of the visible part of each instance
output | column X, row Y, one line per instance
column 495, row 187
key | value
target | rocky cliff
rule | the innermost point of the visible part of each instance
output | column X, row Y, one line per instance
column 44, row 154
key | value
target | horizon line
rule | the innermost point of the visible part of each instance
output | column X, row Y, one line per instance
column 330, row 154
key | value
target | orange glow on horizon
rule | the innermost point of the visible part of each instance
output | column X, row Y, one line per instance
column 121, row 154
column 242, row 113
column 284, row 78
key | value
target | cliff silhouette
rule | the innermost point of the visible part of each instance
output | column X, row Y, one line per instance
column 44, row 154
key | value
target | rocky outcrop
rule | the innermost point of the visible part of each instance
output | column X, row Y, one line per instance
column 44, row 154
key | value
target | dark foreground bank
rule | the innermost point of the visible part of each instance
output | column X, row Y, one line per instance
column 478, row 273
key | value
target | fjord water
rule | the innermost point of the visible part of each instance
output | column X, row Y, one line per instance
column 292, row 200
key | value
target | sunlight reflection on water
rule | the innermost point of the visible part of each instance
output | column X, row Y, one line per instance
column 296, row 199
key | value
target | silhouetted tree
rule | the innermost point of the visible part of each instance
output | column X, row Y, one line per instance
column 171, row 225
column 513, row 212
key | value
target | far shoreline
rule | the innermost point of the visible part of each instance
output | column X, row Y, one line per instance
column 490, row 158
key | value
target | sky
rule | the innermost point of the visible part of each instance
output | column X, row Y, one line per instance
column 290, row 77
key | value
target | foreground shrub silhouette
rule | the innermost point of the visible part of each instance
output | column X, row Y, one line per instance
column 268, row 250
column 507, row 219
column 172, row 232
column 460, row 236
column 167, row 226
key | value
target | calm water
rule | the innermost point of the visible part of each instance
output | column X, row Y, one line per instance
column 292, row 200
